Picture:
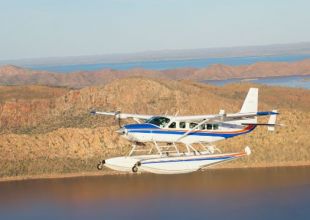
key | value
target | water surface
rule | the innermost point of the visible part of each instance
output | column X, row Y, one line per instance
column 172, row 64
column 289, row 81
column 277, row 193
column 286, row 81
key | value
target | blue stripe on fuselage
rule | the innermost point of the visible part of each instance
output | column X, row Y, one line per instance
column 141, row 126
column 195, row 133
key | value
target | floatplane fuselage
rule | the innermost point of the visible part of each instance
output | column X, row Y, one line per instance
column 165, row 129
column 187, row 130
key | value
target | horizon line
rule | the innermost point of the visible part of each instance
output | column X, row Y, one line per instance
column 141, row 52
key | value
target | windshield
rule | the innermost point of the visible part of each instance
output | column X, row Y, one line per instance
column 159, row 121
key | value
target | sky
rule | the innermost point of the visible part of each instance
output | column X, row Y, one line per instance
column 55, row 28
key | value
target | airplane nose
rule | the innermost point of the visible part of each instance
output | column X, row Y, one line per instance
column 122, row 131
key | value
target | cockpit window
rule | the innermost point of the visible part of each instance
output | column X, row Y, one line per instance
column 159, row 121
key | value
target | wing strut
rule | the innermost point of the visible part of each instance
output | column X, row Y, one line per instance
column 189, row 131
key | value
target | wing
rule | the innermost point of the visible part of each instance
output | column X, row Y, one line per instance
column 192, row 118
column 120, row 115
column 222, row 117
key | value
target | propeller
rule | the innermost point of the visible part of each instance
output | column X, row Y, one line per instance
column 117, row 115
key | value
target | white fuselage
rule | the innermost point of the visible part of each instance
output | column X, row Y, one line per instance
column 208, row 133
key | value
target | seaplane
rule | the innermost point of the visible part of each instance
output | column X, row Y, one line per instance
column 184, row 144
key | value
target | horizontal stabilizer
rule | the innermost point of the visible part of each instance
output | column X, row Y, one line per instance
column 259, row 124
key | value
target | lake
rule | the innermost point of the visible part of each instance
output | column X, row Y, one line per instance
column 290, row 81
column 287, row 81
column 172, row 64
column 273, row 193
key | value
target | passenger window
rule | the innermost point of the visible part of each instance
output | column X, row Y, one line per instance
column 182, row 124
column 192, row 125
column 202, row 127
column 172, row 125
column 209, row 126
column 215, row 126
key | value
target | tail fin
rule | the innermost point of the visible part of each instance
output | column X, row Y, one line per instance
column 250, row 103
column 272, row 121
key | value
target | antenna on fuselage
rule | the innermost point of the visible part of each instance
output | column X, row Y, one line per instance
column 176, row 114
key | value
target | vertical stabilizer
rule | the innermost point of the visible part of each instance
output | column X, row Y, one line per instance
column 272, row 121
column 250, row 103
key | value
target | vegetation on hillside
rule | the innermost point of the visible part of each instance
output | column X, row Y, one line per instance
column 49, row 129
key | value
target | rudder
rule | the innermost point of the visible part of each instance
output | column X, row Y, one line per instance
column 250, row 103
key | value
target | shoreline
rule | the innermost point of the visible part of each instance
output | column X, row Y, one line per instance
column 109, row 172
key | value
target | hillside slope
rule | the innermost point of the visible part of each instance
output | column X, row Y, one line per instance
column 55, row 133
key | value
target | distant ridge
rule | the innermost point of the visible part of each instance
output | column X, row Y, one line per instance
column 13, row 75
column 177, row 54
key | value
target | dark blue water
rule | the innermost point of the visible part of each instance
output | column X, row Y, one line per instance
column 286, row 81
column 277, row 193
column 172, row 64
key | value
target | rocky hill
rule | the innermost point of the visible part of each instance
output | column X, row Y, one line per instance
column 52, row 132
column 12, row 75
